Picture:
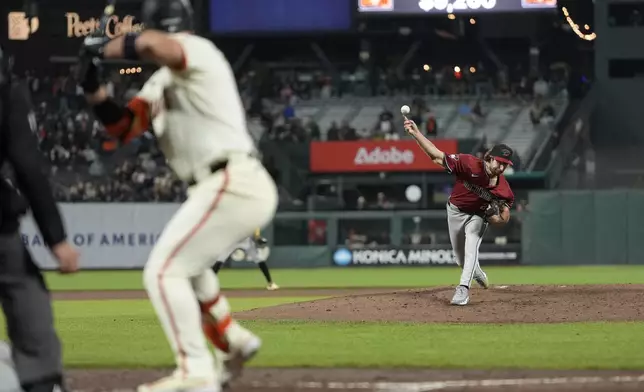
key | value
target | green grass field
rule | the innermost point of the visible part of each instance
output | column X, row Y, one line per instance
column 125, row 333
column 366, row 277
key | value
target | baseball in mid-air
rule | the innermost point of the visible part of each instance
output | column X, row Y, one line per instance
column 405, row 110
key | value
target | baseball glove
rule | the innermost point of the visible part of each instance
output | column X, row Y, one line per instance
column 494, row 208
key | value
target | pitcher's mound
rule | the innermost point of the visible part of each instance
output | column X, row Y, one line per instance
column 499, row 304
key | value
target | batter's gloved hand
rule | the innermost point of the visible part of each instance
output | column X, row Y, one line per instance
column 93, row 46
column 91, row 52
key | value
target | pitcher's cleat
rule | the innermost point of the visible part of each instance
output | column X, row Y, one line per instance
column 222, row 373
column 482, row 280
column 272, row 287
column 461, row 296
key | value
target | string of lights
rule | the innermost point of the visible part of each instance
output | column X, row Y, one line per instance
column 587, row 36
column 129, row 71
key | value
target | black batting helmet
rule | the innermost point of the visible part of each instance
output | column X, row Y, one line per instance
column 171, row 16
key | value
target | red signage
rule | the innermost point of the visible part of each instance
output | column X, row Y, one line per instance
column 374, row 156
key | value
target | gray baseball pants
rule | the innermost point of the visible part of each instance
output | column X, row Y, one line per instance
column 25, row 301
column 466, row 234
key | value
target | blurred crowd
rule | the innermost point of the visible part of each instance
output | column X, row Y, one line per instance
column 278, row 112
column 87, row 166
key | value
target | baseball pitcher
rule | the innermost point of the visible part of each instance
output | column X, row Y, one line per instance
column 254, row 249
column 195, row 110
column 481, row 196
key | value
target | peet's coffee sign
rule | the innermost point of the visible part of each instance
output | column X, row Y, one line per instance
column 77, row 27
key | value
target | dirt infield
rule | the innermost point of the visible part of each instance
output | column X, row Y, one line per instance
column 499, row 304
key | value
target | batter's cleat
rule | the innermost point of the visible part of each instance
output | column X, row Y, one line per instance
column 272, row 287
column 242, row 349
column 482, row 280
column 177, row 383
column 461, row 296
column 222, row 373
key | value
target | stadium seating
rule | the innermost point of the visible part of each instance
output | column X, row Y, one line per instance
column 505, row 120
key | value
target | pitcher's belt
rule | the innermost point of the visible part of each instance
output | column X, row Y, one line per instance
column 479, row 213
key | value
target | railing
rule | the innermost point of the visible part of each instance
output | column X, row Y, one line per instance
column 578, row 125
column 543, row 156
column 375, row 228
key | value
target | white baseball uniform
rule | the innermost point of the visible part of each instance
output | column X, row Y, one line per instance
column 199, row 120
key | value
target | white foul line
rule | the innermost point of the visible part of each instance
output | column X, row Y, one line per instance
column 442, row 385
column 430, row 386
column 448, row 384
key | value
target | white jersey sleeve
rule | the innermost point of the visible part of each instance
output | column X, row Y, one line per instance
column 152, row 91
column 153, row 94
column 198, row 53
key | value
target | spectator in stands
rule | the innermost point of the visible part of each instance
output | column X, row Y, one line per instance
column 431, row 126
column 477, row 112
column 326, row 90
column 418, row 108
column 333, row 134
column 317, row 231
column 361, row 203
column 291, row 131
column 473, row 113
column 312, row 129
column 541, row 111
column 355, row 240
column 382, row 238
column 365, row 134
column 385, row 119
column 347, row 132
column 286, row 93
column 288, row 112
column 502, row 79
column 540, row 87
column 382, row 203
column 385, row 129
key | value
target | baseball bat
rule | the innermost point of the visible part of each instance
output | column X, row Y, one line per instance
column 108, row 11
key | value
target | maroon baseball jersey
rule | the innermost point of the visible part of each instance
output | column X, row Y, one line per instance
column 472, row 192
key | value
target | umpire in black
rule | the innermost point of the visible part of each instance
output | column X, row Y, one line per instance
column 25, row 300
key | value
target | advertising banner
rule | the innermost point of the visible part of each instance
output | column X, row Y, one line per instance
column 59, row 28
column 452, row 6
column 374, row 156
column 108, row 236
column 422, row 255
column 70, row 19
